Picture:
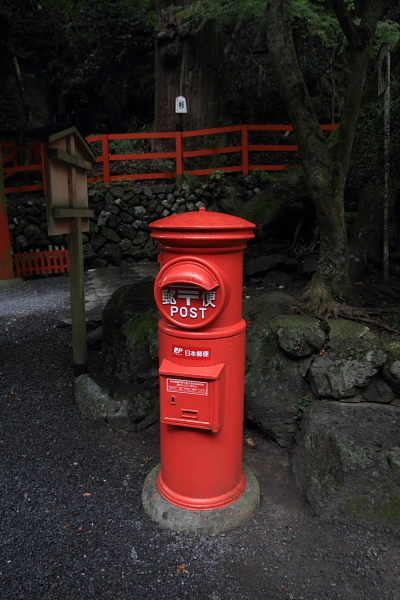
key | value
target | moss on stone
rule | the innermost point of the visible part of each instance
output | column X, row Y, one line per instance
column 365, row 508
column 141, row 328
column 268, row 348
column 393, row 349
column 291, row 321
column 265, row 207
column 341, row 330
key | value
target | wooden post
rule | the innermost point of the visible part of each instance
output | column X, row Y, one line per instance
column 77, row 292
column 76, row 275
column 67, row 160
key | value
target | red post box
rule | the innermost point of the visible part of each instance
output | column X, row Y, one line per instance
column 198, row 292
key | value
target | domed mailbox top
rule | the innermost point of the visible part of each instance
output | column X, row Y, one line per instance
column 202, row 229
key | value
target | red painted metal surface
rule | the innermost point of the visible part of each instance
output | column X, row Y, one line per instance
column 6, row 265
column 202, row 351
column 41, row 263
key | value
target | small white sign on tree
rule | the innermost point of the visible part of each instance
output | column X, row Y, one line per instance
column 180, row 104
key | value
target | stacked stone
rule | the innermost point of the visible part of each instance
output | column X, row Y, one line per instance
column 119, row 230
column 28, row 224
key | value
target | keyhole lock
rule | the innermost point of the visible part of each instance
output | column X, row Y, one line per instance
column 173, row 400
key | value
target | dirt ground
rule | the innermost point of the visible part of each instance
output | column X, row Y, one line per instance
column 73, row 526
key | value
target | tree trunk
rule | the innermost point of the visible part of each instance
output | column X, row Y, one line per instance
column 325, row 174
column 22, row 92
column 188, row 64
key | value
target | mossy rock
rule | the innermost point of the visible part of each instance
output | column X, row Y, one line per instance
column 347, row 461
column 273, row 384
column 130, row 333
column 277, row 203
column 298, row 335
column 346, row 369
column 391, row 371
column 128, row 407
column 344, row 330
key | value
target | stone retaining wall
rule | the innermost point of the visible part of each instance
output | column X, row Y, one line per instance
column 119, row 230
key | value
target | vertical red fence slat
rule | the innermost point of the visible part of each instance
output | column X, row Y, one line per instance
column 106, row 159
column 245, row 150
column 179, row 152
column 35, row 264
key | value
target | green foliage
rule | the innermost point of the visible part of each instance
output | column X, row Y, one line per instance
column 69, row 48
column 302, row 404
column 367, row 161
column 265, row 175
column 217, row 175
column 225, row 12
column 97, row 187
column 187, row 183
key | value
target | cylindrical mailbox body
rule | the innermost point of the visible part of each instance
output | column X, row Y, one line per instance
column 202, row 351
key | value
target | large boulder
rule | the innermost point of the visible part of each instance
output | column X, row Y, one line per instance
column 391, row 371
column 126, row 406
column 273, row 382
column 130, row 347
column 344, row 330
column 299, row 335
column 347, row 461
column 343, row 371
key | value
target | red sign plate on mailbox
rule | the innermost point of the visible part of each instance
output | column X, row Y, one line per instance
column 187, row 386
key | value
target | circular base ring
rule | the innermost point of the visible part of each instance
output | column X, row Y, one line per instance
column 205, row 522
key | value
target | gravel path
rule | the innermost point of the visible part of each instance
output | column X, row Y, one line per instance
column 72, row 523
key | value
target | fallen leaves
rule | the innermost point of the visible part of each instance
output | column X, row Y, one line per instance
column 86, row 494
column 78, row 530
column 250, row 442
column 181, row 569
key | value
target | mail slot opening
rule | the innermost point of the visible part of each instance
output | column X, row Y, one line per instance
column 189, row 414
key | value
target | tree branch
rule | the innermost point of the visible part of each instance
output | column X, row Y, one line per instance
column 360, row 46
column 345, row 20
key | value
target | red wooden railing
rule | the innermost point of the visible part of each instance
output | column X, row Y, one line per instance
column 41, row 263
column 12, row 156
column 178, row 155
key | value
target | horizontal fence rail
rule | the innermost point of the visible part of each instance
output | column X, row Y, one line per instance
column 32, row 156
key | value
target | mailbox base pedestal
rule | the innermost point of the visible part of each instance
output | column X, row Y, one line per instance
column 205, row 522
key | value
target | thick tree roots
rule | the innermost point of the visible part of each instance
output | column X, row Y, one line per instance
column 317, row 301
